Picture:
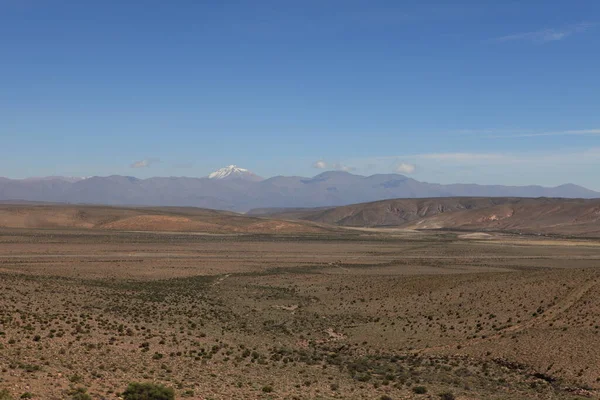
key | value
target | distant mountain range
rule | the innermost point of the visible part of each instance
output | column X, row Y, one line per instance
column 237, row 189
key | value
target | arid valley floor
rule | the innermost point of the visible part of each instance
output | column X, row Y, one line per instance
column 354, row 314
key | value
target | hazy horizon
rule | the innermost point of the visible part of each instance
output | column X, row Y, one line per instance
column 76, row 178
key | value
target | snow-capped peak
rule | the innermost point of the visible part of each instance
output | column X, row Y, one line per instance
column 233, row 171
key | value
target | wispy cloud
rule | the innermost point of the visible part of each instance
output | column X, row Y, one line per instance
column 547, row 35
column 537, row 159
column 579, row 165
column 322, row 164
column 319, row 164
column 405, row 168
column 342, row 167
column 144, row 163
column 460, row 157
column 581, row 132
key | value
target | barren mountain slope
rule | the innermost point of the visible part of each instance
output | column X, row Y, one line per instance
column 389, row 212
column 542, row 215
column 545, row 216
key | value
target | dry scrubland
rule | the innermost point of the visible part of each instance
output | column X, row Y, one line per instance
column 310, row 315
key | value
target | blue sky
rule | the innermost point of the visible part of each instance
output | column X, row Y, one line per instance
column 473, row 91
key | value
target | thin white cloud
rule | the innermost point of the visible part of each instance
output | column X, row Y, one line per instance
column 405, row 168
column 342, row 167
column 144, row 163
column 577, row 165
column 574, row 156
column 547, row 35
column 460, row 157
column 539, row 159
column 140, row 164
column 581, row 132
column 319, row 164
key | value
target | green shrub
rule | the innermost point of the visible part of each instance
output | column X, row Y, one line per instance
column 420, row 389
column 5, row 395
column 27, row 395
column 79, row 393
column 148, row 391
column 76, row 378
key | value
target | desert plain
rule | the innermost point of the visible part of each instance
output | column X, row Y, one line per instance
column 263, row 309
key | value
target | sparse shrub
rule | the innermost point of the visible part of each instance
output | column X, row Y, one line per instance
column 27, row 395
column 79, row 393
column 76, row 378
column 30, row 367
column 148, row 391
column 447, row 396
column 419, row 389
column 385, row 397
column 267, row 389
column 5, row 395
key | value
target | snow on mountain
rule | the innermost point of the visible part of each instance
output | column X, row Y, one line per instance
column 235, row 172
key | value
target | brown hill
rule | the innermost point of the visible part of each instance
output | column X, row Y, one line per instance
column 536, row 216
column 532, row 216
column 388, row 212
column 167, row 219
